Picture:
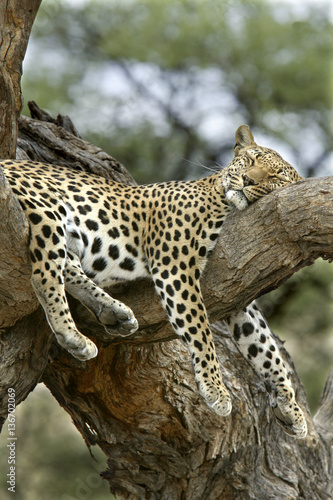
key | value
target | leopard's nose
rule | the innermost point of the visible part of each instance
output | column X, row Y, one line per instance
column 247, row 181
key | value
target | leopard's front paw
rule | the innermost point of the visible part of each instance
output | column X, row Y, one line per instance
column 291, row 418
column 218, row 399
column 118, row 319
column 79, row 346
column 84, row 354
column 237, row 199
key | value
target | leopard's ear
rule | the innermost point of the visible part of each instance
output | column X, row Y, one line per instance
column 243, row 139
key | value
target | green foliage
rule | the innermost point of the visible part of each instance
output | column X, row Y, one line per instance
column 146, row 74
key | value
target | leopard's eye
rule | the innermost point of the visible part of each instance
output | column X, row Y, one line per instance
column 252, row 157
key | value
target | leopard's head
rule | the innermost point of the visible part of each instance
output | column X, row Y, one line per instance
column 255, row 171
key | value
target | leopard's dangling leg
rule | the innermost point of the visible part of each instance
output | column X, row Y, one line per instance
column 115, row 316
column 188, row 317
column 256, row 342
column 48, row 256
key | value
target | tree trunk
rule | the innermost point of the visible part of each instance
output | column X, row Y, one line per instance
column 138, row 399
column 16, row 19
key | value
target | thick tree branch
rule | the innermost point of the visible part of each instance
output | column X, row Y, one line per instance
column 17, row 299
column 256, row 252
column 59, row 142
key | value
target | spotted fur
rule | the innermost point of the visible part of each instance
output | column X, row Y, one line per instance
column 87, row 232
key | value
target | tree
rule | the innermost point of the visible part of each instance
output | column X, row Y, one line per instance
column 138, row 399
column 16, row 25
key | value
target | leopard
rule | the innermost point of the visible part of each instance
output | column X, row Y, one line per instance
column 88, row 233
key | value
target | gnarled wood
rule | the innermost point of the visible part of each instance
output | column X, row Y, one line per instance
column 16, row 19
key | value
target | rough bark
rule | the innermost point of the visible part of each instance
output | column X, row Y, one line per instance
column 16, row 19
column 138, row 400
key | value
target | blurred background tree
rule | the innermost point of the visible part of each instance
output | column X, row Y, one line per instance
column 162, row 86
